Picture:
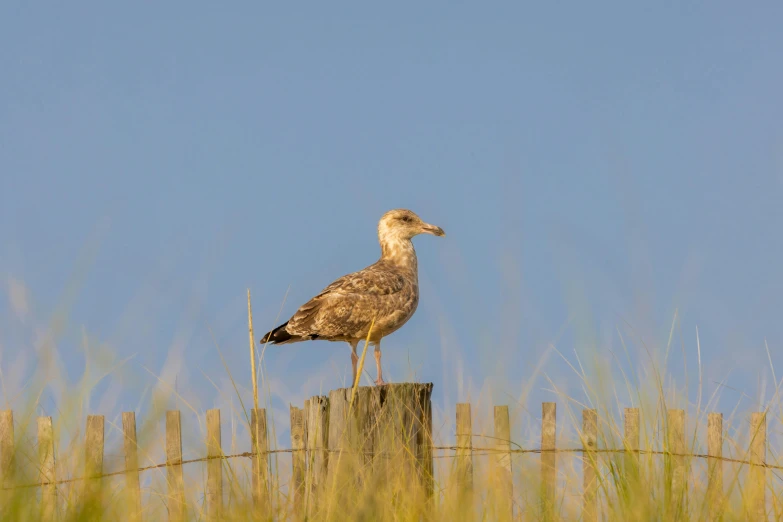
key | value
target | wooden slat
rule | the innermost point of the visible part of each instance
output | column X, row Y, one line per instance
column 6, row 447
column 631, row 436
column 298, row 459
column 341, row 436
column 631, row 446
column 589, row 464
column 317, row 431
column 132, row 492
column 176, row 484
column 548, row 459
column 47, row 475
column 426, row 455
column 758, row 473
column 93, row 458
column 260, row 447
column 464, row 457
column 503, row 483
column 214, row 467
column 6, row 457
column 678, row 481
column 715, row 465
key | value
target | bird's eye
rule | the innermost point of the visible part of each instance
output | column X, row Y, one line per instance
column 406, row 219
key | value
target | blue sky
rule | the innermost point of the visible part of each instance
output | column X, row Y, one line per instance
column 596, row 167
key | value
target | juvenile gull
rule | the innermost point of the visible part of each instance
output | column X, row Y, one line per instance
column 387, row 291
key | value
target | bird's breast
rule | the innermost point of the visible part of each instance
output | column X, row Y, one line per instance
column 394, row 317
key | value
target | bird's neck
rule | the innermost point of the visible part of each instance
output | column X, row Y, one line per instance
column 400, row 253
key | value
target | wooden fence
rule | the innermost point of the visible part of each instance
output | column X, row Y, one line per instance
column 308, row 458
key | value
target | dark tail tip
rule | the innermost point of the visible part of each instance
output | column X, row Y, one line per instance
column 278, row 335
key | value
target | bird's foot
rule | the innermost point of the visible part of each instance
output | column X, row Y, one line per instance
column 379, row 382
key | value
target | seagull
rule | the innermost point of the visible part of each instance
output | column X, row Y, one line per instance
column 375, row 301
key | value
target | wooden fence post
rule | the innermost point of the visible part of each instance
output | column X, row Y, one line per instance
column 548, row 459
column 46, row 474
column 259, row 443
column 298, row 459
column 758, row 470
column 133, row 493
column 381, row 435
column 176, row 484
column 93, row 453
column 589, row 464
column 504, row 490
column 715, row 465
column 317, row 430
column 464, row 458
column 214, row 467
column 677, row 465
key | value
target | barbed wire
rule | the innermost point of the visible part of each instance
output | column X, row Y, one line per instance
column 473, row 452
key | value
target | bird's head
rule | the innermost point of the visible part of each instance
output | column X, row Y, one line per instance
column 401, row 224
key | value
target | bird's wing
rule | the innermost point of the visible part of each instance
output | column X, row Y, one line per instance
column 346, row 306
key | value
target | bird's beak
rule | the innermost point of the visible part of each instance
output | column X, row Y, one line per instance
column 432, row 229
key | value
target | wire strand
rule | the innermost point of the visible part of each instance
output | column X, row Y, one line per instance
column 476, row 452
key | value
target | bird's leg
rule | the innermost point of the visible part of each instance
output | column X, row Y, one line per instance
column 354, row 360
column 378, row 381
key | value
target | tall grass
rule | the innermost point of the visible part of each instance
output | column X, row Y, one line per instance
column 381, row 490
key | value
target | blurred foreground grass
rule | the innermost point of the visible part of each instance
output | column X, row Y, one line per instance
column 628, row 489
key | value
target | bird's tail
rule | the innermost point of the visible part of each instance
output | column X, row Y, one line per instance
column 278, row 336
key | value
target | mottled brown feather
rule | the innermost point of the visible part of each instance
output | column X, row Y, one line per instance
column 344, row 310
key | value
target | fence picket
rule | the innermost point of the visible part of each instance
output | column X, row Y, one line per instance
column 298, row 458
column 47, row 475
column 677, row 489
column 176, row 483
column 93, row 457
column 631, row 437
column 259, row 444
column 6, row 455
column 6, row 446
column 548, row 459
column 317, row 430
column 464, row 457
column 504, row 497
column 758, row 452
column 214, row 467
column 589, row 463
column 131, row 465
column 715, row 465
